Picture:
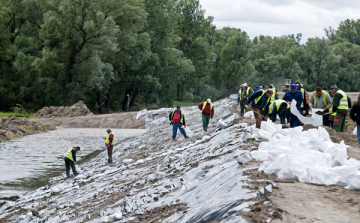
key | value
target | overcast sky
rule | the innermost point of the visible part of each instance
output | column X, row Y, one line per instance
column 281, row 17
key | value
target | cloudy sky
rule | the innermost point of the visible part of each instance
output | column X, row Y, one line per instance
column 281, row 17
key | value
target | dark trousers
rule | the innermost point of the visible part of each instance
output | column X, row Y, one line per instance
column 259, row 116
column 110, row 152
column 242, row 107
column 205, row 120
column 69, row 163
column 326, row 121
column 294, row 121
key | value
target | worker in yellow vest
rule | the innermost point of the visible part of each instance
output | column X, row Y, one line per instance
column 322, row 100
column 282, row 108
column 109, row 143
column 70, row 160
column 207, row 111
column 341, row 105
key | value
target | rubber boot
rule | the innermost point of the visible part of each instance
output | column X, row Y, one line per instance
column 185, row 136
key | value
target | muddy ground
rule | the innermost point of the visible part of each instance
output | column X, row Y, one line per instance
column 301, row 202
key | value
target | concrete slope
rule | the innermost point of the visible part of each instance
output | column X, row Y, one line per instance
column 116, row 120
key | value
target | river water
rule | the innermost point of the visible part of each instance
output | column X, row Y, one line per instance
column 29, row 162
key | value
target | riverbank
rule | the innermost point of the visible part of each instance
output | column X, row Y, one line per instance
column 209, row 177
column 13, row 127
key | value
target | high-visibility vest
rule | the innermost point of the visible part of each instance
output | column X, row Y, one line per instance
column 258, row 98
column 240, row 92
column 247, row 91
column 108, row 138
column 181, row 116
column 69, row 155
column 203, row 107
column 344, row 105
column 304, row 98
column 324, row 98
column 273, row 95
column 277, row 103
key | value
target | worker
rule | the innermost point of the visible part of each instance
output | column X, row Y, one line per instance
column 261, row 88
column 109, row 143
column 256, row 89
column 177, row 120
column 70, row 160
column 296, row 95
column 355, row 115
column 341, row 105
column 241, row 101
column 322, row 100
column 207, row 110
column 248, row 91
column 324, row 88
column 275, row 95
column 259, row 100
column 282, row 108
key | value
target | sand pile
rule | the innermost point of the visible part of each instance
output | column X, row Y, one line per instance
column 78, row 109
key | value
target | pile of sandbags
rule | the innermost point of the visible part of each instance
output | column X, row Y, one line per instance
column 307, row 156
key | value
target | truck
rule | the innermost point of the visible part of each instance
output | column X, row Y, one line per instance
column 286, row 86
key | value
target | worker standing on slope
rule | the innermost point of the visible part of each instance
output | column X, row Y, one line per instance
column 247, row 91
column 259, row 100
column 355, row 115
column 297, row 96
column 322, row 100
column 177, row 120
column 241, row 101
column 281, row 108
column 207, row 110
column 109, row 143
column 274, row 96
column 341, row 105
column 70, row 160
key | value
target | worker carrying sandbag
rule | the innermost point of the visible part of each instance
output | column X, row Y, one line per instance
column 70, row 160
column 282, row 109
column 207, row 111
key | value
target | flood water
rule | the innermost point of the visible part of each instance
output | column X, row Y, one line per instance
column 29, row 162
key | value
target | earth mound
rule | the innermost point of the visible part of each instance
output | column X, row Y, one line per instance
column 78, row 109
column 13, row 127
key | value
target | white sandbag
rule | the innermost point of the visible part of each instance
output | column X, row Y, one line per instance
column 315, row 120
column 220, row 123
column 322, row 175
column 78, row 169
column 260, row 155
column 355, row 131
column 188, row 132
column 346, row 174
column 248, row 114
column 355, row 182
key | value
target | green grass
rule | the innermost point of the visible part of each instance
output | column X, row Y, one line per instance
column 9, row 136
column 24, row 115
column 185, row 103
column 43, row 127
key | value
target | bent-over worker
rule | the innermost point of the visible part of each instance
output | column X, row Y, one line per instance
column 70, row 160
column 207, row 110
column 259, row 100
column 282, row 108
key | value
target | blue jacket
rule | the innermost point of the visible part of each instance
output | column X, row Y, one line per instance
column 297, row 96
column 261, row 103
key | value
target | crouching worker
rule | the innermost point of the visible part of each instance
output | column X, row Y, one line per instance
column 70, row 160
column 259, row 100
column 177, row 120
column 281, row 108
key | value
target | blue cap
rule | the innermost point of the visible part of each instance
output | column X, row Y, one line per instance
column 293, row 87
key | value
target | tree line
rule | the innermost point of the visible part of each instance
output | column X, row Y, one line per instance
column 104, row 52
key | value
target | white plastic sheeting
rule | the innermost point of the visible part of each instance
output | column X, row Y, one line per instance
column 315, row 119
column 249, row 114
column 307, row 156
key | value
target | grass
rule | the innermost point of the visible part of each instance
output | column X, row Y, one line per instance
column 43, row 127
column 185, row 103
column 9, row 136
column 24, row 115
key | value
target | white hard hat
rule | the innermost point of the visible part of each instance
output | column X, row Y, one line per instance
column 241, row 85
column 209, row 100
column 245, row 84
